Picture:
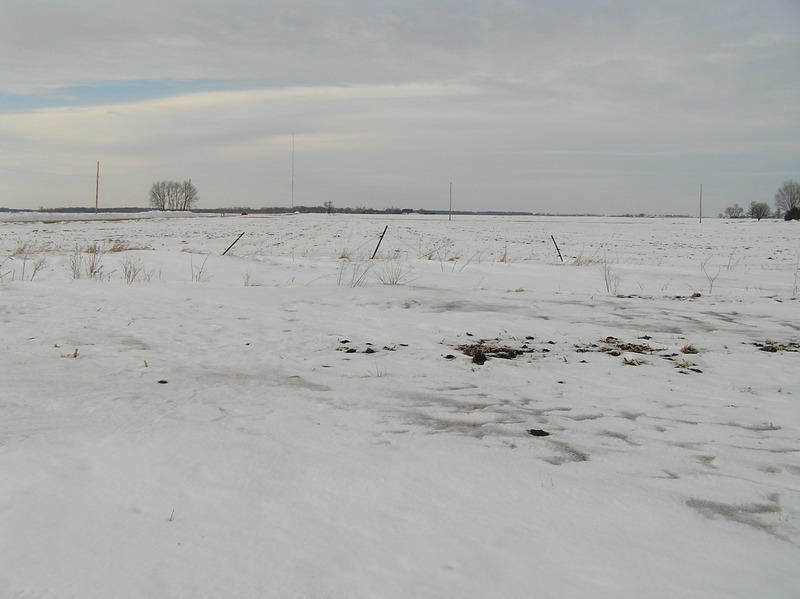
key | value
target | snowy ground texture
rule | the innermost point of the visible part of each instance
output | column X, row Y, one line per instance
column 295, row 420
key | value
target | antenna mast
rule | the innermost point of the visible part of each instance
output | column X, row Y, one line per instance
column 97, row 189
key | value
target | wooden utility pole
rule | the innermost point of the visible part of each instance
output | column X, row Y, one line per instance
column 450, row 215
column 292, row 170
column 97, row 189
column 701, row 202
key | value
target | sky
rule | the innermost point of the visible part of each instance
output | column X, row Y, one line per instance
column 577, row 106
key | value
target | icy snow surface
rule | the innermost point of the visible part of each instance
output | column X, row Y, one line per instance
column 295, row 420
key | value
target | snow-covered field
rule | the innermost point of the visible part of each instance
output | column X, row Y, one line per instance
column 295, row 420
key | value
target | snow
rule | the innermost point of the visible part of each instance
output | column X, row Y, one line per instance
column 204, row 432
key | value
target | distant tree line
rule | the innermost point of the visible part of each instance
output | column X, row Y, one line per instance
column 756, row 210
column 172, row 195
column 326, row 208
column 787, row 205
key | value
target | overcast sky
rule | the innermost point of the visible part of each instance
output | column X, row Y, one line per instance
column 574, row 106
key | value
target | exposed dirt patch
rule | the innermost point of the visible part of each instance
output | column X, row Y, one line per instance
column 485, row 349
column 774, row 346
column 614, row 347
column 347, row 347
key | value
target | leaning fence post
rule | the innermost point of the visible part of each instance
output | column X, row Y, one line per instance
column 558, row 250
column 233, row 244
column 379, row 243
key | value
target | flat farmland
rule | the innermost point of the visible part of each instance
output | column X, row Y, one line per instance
column 465, row 414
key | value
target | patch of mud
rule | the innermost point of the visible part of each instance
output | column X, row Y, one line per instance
column 566, row 453
column 751, row 514
column 763, row 427
column 132, row 344
column 770, row 469
column 618, row 436
column 581, row 417
column 459, row 387
column 707, row 460
column 632, row 416
column 460, row 426
column 297, row 381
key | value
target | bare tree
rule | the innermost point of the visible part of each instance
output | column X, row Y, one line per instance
column 171, row 195
column 734, row 211
column 188, row 196
column 788, row 196
column 758, row 210
column 158, row 195
column 173, row 192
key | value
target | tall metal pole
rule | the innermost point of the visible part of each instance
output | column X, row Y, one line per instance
column 97, row 189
